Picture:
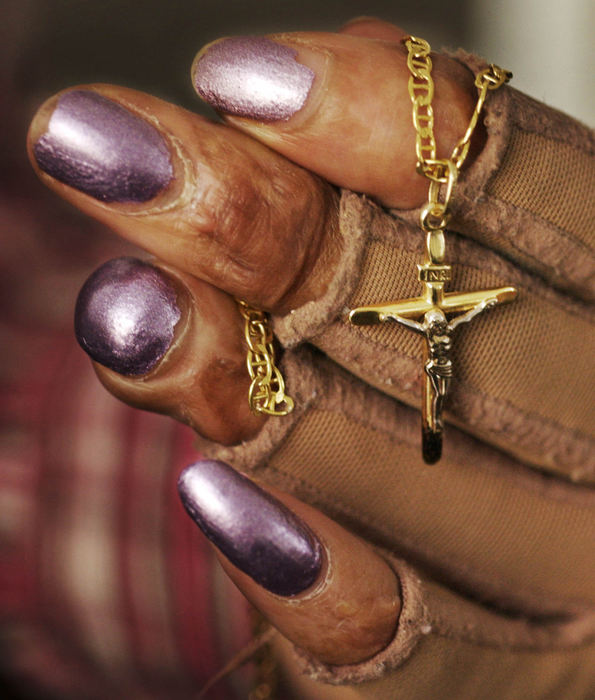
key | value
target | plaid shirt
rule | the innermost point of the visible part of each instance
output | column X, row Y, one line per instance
column 107, row 589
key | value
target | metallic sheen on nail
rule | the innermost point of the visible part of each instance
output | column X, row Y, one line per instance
column 100, row 148
column 257, row 533
column 125, row 316
column 253, row 77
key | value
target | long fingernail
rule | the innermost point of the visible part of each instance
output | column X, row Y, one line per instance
column 257, row 533
column 100, row 148
column 252, row 77
column 125, row 316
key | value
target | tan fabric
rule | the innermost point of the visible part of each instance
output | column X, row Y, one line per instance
column 454, row 520
column 445, row 669
column 490, row 529
column 523, row 372
column 495, row 558
column 546, row 334
column 547, row 228
column 478, row 519
column 448, row 647
column 561, row 191
column 441, row 670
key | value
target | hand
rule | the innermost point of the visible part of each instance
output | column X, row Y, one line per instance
column 238, row 215
column 229, row 211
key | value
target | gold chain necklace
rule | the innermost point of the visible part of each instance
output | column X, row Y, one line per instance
column 430, row 315
column 267, row 387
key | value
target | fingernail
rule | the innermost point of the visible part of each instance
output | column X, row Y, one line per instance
column 125, row 316
column 257, row 533
column 252, row 77
column 100, row 148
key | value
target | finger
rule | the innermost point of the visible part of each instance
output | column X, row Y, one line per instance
column 200, row 196
column 167, row 342
column 337, row 104
column 373, row 28
column 323, row 588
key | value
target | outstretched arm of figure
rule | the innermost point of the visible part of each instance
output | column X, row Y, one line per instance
column 465, row 318
column 408, row 322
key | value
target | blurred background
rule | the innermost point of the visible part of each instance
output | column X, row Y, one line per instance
column 149, row 44
column 47, row 249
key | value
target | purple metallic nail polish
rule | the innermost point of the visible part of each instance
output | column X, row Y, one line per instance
column 253, row 77
column 257, row 533
column 100, row 148
column 125, row 316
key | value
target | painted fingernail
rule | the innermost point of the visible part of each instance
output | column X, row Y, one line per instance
column 257, row 533
column 252, row 77
column 100, row 148
column 125, row 316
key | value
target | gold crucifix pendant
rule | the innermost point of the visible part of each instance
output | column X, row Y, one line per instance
column 431, row 316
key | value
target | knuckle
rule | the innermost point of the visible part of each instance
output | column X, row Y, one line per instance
column 259, row 219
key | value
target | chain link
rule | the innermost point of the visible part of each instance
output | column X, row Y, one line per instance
column 442, row 173
column 421, row 91
column 267, row 388
column 490, row 78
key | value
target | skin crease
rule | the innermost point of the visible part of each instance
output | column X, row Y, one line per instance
column 223, row 197
column 231, row 225
column 353, row 621
column 219, row 415
column 237, row 214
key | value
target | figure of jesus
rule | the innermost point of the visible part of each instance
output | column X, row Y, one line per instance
column 427, row 315
column 437, row 331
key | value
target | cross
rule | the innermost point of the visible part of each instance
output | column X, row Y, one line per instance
column 437, row 329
